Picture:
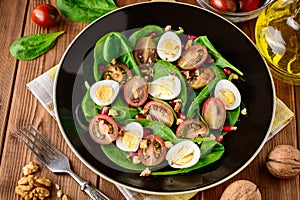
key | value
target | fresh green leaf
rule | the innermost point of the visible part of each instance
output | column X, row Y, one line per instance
column 145, row 31
column 89, row 108
column 32, row 46
column 220, row 61
column 85, row 11
column 232, row 116
column 125, row 112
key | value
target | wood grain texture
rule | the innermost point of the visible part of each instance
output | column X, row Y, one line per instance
column 17, row 104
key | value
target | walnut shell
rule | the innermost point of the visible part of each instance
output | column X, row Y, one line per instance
column 241, row 190
column 283, row 161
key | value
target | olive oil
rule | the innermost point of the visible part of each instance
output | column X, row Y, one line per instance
column 277, row 35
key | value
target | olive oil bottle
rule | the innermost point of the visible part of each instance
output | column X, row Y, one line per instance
column 277, row 35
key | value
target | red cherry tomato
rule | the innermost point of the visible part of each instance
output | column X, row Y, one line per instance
column 192, row 128
column 103, row 129
column 214, row 113
column 193, row 57
column 225, row 5
column 248, row 5
column 155, row 152
column 135, row 92
column 158, row 111
column 45, row 15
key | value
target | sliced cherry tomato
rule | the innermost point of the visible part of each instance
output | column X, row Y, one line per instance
column 160, row 112
column 191, row 129
column 154, row 153
column 45, row 15
column 200, row 77
column 145, row 52
column 193, row 57
column 136, row 92
column 103, row 129
column 117, row 71
column 225, row 5
column 214, row 113
column 248, row 5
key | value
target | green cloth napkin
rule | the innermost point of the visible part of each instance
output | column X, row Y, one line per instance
column 42, row 88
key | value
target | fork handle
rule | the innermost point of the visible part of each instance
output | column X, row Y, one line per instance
column 93, row 192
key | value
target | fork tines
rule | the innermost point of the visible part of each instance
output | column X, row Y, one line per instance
column 37, row 143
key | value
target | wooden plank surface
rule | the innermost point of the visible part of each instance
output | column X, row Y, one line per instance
column 17, row 103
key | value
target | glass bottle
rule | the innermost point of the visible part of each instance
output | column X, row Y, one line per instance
column 277, row 35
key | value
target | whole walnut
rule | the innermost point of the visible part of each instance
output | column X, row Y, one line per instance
column 241, row 190
column 283, row 161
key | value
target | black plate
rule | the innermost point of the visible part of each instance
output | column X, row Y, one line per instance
column 257, row 92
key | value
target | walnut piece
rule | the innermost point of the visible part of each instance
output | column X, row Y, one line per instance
column 241, row 189
column 65, row 197
column 30, row 168
column 283, row 161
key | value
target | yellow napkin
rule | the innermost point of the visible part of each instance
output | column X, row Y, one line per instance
column 42, row 88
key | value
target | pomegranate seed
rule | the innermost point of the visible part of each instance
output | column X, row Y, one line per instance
column 229, row 128
column 172, row 103
column 226, row 71
column 220, row 138
column 104, row 111
column 139, row 116
column 132, row 154
column 181, row 116
column 192, row 37
column 147, row 131
column 153, row 34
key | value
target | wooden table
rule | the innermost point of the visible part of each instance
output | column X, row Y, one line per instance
column 17, row 102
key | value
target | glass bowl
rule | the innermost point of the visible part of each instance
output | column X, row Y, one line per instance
column 235, row 17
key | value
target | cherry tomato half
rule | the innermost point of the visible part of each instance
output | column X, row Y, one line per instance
column 118, row 72
column 145, row 52
column 103, row 129
column 193, row 57
column 135, row 92
column 225, row 5
column 158, row 111
column 214, row 113
column 191, row 129
column 45, row 15
column 200, row 77
column 248, row 5
column 155, row 152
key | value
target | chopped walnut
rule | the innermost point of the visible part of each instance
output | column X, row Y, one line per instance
column 43, row 181
column 136, row 160
column 168, row 28
column 112, row 112
column 244, row 111
column 65, row 197
column 179, row 121
column 30, row 168
column 59, row 193
column 146, row 172
column 168, row 144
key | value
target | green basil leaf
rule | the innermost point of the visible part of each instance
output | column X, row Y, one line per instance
column 85, row 11
column 32, row 46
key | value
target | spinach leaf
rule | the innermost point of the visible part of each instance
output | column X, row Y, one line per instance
column 164, row 68
column 120, row 158
column 145, row 31
column 194, row 109
column 89, row 108
column 220, row 61
column 112, row 46
column 211, row 151
column 124, row 111
column 32, row 46
column 232, row 116
column 85, row 11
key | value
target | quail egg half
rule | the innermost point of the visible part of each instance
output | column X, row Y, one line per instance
column 165, row 88
column 183, row 154
column 131, row 137
column 104, row 92
column 228, row 93
column 169, row 47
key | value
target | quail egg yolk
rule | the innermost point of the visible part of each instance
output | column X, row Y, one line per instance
column 226, row 96
column 104, row 93
column 170, row 47
column 130, row 139
column 183, row 155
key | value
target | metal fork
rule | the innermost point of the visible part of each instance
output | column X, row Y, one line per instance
column 54, row 160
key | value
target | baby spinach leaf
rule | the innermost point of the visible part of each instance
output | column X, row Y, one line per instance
column 124, row 111
column 215, row 150
column 89, row 108
column 32, row 46
column 164, row 68
column 220, row 61
column 112, row 46
column 232, row 116
column 145, row 31
column 85, row 11
column 194, row 109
